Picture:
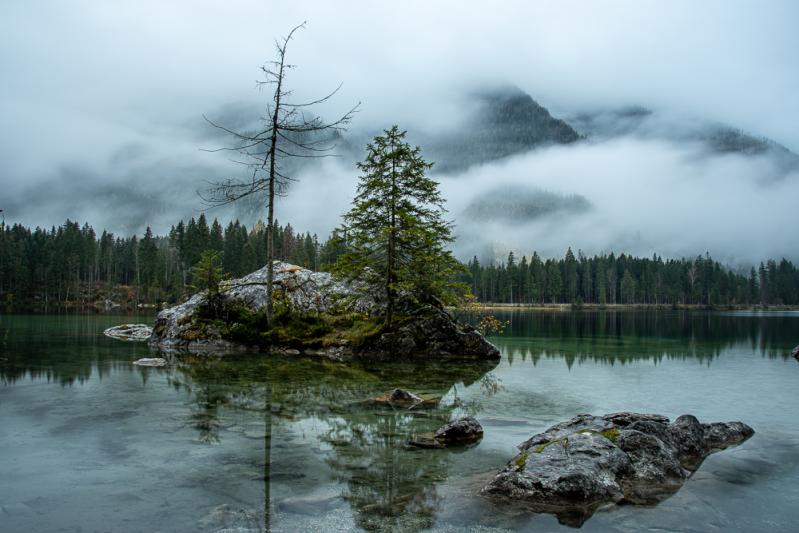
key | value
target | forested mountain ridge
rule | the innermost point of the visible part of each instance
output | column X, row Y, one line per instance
column 493, row 124
column 72, row 266
column 507, row 122
column 518, row 204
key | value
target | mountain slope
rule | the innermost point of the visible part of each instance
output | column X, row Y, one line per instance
column 716, row 138
column 506, row 122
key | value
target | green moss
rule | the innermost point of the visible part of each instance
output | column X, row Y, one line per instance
column 611, row 434
column 203, row 329
column 241, row 325
column 541, row 447
column 520, row 461
column 297, row 331
column 362, row 330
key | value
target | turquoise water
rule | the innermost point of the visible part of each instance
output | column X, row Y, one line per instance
column 90, row 442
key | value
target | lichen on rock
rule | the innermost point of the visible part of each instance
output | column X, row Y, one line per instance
column 576, row 466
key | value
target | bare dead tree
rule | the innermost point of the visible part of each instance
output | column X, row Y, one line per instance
column 288, row 131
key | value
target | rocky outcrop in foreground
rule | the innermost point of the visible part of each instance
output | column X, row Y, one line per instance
column 422, row 329
column 575, row 467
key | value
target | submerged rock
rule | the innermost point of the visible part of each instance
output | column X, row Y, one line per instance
column 231, row 519
column 403, row 399
column 576, row 466
column 402, row 396
column 150, row 361
column 424, row 329
column 129, row 332
column 460, row 432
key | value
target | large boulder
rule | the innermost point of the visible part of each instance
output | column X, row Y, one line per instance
column 577, row 466
column 425, row 329
column 303, row 290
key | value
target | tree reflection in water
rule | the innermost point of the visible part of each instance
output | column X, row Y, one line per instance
column 388, row 484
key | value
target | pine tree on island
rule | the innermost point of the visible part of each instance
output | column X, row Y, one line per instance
column 396, row 233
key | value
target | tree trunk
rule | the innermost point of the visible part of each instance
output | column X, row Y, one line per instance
column 390, row 263
column 270, row 226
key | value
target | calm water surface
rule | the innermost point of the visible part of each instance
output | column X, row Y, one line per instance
column 89, row 442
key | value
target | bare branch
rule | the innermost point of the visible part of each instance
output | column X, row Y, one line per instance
column 286, row 133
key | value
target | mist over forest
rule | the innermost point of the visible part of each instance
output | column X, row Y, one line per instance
column 649, row 144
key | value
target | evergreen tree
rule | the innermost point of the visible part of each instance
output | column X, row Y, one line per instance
column 509, row 279
column 148, row 259
column 396, row 233
column 216, row 240
column 208, row 275
column 570, row 275
column 627, row 288
column 554, row 281
column 332, row 249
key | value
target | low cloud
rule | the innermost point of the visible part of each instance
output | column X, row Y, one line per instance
column 101, row 112
column 646, row 197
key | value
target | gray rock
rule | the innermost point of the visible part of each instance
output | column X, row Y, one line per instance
column 465, row 430
column 306, row 292
column 129, row 332
column 150, row 361
column 401, row 399
column 399, row 396
column 460, row 432
column 431, row 332
column 577, row 466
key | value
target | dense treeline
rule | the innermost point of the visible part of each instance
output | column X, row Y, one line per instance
column 623, row 279
column 72, row 264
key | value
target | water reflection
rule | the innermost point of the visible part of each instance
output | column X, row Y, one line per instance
column 624, row 336
column 388, row 484
column 290, row 438
column 64, row 349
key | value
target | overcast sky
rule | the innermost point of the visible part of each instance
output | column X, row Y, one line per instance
column 98, row 94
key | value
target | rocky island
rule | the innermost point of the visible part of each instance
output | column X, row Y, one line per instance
column 316, row 314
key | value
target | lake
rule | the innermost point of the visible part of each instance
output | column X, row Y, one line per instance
column 90, row 442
